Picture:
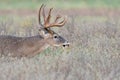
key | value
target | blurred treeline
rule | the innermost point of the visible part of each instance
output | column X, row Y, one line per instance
column 32, row 4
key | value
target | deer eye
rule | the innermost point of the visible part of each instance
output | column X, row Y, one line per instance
column 55, row 36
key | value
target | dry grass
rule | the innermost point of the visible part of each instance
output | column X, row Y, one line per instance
column 94, row 53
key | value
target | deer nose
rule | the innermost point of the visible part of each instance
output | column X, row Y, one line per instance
column 66, row 44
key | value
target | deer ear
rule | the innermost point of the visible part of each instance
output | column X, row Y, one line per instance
column 44, row 33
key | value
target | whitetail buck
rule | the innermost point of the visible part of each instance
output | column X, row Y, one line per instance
column 30, row 46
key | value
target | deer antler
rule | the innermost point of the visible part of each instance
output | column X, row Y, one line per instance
column 47, row 23
column 39, row 18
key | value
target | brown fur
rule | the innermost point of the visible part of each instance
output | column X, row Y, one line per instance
column 21, row 46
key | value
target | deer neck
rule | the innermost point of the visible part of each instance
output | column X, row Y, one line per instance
column 35, row 45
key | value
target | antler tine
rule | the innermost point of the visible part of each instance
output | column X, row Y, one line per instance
column 60, row 24
column 43, row 13
column 39, row 15
column 48, row 18
column 57, row 18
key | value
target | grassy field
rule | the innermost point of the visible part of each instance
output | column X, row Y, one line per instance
column 94, row 53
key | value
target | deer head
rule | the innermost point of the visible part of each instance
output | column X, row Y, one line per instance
column 45, row 31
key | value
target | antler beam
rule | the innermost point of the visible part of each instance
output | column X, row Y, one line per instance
column 47, row 23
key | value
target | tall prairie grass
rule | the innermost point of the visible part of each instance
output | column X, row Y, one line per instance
column 94, row 53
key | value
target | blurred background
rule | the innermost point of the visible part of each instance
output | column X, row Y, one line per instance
column 66, row 4
column 92, row 28
column 13, row 6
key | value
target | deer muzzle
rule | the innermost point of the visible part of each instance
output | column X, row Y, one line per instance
column 66, row 44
